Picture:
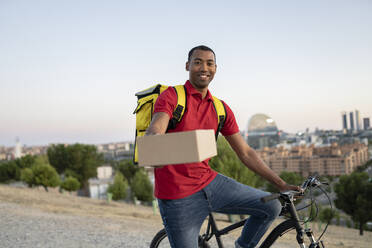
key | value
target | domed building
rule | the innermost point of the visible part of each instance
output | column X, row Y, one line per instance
column 262, row 132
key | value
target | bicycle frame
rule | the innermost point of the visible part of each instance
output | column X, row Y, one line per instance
column 212, row 229
column 289, row 207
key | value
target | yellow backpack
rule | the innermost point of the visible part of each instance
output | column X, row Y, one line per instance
column 145, row 108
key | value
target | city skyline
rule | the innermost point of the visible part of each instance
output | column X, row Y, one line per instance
column 343, row 113
column 69, row 70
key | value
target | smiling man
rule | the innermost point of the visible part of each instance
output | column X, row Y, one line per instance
column 202, row 67
column 187, row 193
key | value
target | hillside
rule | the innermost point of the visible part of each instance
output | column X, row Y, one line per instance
column 119, row 218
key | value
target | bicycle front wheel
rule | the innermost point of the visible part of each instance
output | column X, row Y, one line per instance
column 278, row 231
column 161, row 241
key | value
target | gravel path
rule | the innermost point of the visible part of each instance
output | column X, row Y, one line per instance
column 30, row 227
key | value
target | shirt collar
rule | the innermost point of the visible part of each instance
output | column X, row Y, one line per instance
column 191, row 90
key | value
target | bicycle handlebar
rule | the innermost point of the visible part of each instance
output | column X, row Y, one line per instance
column 309, row 182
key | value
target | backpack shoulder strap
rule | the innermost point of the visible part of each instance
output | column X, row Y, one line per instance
column 181, row 102
column 221, row 114
column 180, row 108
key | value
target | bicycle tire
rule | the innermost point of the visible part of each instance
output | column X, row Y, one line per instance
column 278, row 231
column 160, row 239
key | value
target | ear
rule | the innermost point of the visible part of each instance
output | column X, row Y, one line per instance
column 187, row 66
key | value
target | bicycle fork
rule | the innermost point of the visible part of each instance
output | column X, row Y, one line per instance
column 314, row 244
column 301, row 231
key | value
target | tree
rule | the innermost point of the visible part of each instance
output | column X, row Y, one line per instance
column 228, row 163
column 40, row 174
column 25, row 161
column 354, row 197
column 70, row 184
column 45, row 175
column 119, row 188
column 27, row 176
column 142, row 187
column 327, row 214
column 365, row 166
column 79, row 161
column 128, row 169
column 58, row 157
column 9, row 171
column 289, row 177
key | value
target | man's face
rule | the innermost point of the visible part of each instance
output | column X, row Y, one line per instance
column 201, row 68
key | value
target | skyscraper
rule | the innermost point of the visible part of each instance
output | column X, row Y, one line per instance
column 351, row 121
column 18, row 149
column 366, row 123
column 344, row 120
column 357, row 120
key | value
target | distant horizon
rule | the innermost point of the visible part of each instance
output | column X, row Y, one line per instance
column 130, row 141
column 131, row 138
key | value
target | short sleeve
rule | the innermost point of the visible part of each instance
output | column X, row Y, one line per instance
column 166, row 102
column 230, row 126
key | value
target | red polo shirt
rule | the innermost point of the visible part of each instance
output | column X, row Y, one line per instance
column 181, row 180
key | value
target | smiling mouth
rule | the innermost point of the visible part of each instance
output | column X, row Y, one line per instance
column 203, row 76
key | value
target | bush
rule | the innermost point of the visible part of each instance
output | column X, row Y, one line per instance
column 70, row 184
column 70, row 173
column 27, row 176
column 348, row 223
column 142, row 187
column 128, row 169
column 9, row 171
column 327, row 214
column 119, row 188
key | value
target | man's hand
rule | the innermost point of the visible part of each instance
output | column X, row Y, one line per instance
column 288, row 187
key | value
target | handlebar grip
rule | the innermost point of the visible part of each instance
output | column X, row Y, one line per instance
column 270, row 197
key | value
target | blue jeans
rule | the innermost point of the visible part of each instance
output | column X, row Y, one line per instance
column 183, row 218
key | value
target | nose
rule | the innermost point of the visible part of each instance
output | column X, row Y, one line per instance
column 203, row 67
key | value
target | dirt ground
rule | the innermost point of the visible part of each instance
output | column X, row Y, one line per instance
column 55, row 202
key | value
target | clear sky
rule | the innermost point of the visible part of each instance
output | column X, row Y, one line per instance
column 69, row 69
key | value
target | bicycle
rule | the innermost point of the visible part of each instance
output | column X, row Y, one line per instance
column 288, row 207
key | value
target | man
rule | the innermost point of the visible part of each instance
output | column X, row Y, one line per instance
column 188, row 192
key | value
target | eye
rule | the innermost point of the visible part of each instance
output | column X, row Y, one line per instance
column 196, row 62
column 210, row 64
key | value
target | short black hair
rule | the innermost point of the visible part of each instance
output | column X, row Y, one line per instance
column 203, row 48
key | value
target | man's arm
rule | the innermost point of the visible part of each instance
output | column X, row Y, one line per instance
column 250, row 158
column 159, row 124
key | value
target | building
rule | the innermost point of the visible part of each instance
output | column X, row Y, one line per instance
column 262, row 132
column 351, row 121
column 333, row 160
column 344, row 120
column 117, row 151
column 98, row 186
column 366, row 124
column 357, row 120
column 18, row 149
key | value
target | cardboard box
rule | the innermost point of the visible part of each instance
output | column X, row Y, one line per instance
column 176, row 148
